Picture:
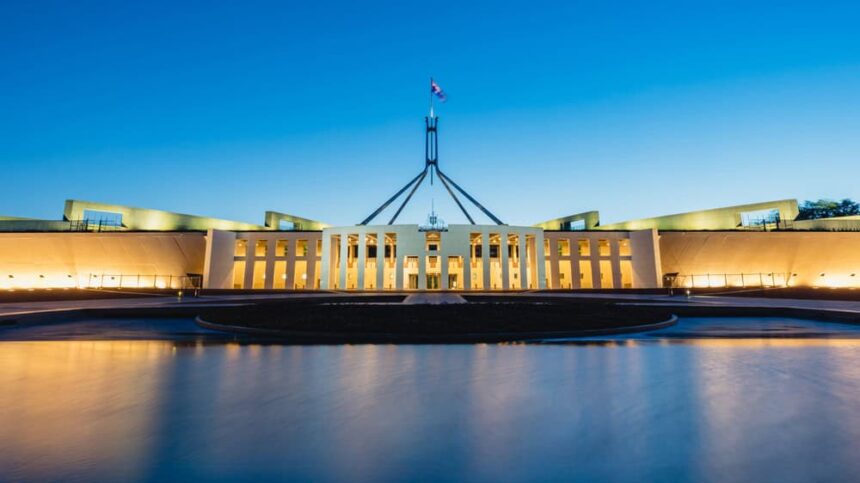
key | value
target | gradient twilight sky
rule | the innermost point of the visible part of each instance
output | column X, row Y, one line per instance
column 316, row 108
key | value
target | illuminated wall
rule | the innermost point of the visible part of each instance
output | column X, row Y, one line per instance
column 726, row 218
column 53, row 260
column 414, row 259
column 263, row 260
column 602, row 259
column 762, row 258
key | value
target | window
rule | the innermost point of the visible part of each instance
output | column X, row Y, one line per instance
column 302, row 248
column 432, row 241
column 626, row 274
column 281, row 248
column 584, row 248
column 319, row 248
column 575, row 225
column 286, row 225
column 259, row 274
column 603, row 247
column 280, row 280
column 239, row 274
column 624, row 247
column 241, row 248
column 606, row 279
column 564, row 247
column 494, row 251
column 260, row 248
column 104, row 218
column 760, row 217
column 371, row 252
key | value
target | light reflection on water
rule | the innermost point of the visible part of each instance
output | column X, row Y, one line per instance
column 708, row 409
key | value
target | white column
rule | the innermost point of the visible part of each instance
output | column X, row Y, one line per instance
column 311, row 264
column 574, row 263
column 292, row 248
column 485, row 259
column 524, row 261
column 344, row 256
column 269, row 282
column 380, row 261
column 615, row 262
column 540, row 267
column 361, row 260
column 553, row 263
column 466, row 283
column 595, row 262
column 325, row 282
column 398, row 265
column 249, row 263
column 503, row 246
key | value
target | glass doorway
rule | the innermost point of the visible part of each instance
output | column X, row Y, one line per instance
column 433, row 281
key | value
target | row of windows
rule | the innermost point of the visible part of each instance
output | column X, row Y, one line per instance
column 282, row 248
column 584, row 247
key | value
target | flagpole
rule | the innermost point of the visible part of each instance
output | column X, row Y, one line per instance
column 431, row 97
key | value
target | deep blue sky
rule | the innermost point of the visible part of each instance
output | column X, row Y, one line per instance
column 316, row 108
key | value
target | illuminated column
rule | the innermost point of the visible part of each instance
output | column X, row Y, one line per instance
column 249, row 263
column 503, row 246
column 485, row 259
column 594, row 243
column 292, row 248
column 422, row 268
column 398, row 263
column 311, row 264
column 466, row 283
column 344, row 257
column 444, row 248
column 380, row 261
column 540, row 267
column 361, row 259
column 524, row 261
column 615, row 262
column 325, row 261
column 574, row 264
column 269, row 282
column 553, row 262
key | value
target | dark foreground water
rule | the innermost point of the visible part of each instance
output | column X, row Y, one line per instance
column 684, row 404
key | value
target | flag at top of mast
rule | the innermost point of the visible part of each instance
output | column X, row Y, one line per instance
column 436, row 91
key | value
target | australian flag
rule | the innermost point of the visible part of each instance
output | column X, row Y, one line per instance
column 437, row 91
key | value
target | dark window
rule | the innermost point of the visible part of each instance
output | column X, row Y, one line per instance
column 494, row 251
column 478, row 251
column 432, row 247
column 353, row 251
column 388, row 251
column 371, row 251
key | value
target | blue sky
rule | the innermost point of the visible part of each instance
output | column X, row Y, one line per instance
column 316, row 108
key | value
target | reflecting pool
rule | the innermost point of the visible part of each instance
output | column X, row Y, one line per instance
column 626, row 409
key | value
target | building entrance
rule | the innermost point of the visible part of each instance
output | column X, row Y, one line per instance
column 433, row 281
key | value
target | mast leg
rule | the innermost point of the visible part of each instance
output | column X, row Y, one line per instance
column 385, row 205
column 473, row 200
column 457, row 200
column 409, row 197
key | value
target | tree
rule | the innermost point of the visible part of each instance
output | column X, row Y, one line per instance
column 811, row 210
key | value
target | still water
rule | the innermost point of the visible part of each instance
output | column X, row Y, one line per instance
column 663, row 406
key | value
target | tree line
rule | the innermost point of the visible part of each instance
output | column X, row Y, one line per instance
column 823, row 208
